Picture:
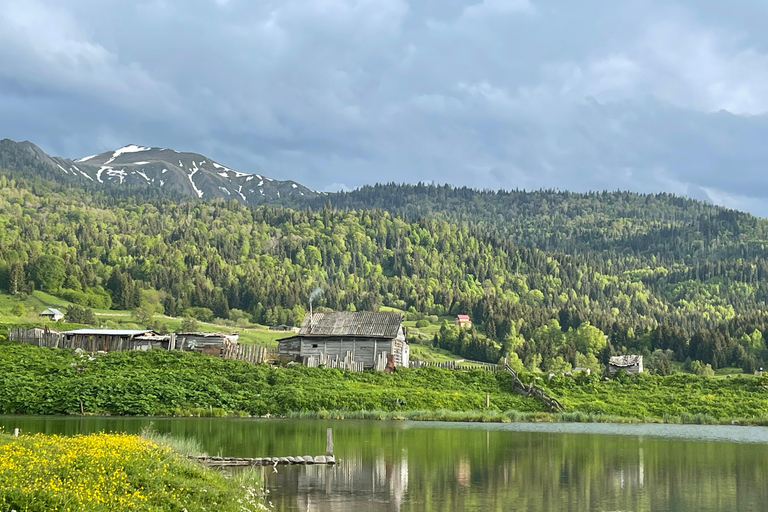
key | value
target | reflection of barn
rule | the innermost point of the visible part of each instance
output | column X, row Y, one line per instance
column 630, row 364
column 384, row 481
column 364, row 335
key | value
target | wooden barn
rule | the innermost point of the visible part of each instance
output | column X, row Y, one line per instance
column 364, row 336
column 630, row 364
column 107, row 340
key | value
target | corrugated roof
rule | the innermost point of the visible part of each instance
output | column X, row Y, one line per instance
column 352, row 323
column 52, row 311
column 622, row 361
column 110, row 332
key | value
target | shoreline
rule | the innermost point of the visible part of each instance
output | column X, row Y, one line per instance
column 443, row 415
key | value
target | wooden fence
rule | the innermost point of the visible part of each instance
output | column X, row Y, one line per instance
column 40, row 336
column 348, row 363
column 45, row 337
column 459, row 364
column 533, row 390
column 251, row 353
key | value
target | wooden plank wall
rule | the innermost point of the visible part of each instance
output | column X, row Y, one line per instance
column 347, row 363
column 41, row 337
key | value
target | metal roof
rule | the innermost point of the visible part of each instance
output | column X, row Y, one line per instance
column 623, row 361
column 352, row 323
column 51, row 311
column 110, row 332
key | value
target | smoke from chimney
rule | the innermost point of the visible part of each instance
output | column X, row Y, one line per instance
column 315, row 294
column 312, row 296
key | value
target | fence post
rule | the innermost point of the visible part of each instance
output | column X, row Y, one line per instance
column 487, row 401
column 329, row 443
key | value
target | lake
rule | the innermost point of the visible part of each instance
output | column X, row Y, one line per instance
column 423, row 466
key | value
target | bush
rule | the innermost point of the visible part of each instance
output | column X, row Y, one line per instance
column 79, row 315
column 422, row 323
column 202, row 314
column 188, row 325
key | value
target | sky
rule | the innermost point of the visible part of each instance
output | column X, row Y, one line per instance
column 638, row 95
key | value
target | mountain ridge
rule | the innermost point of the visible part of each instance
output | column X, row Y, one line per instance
column 181, row 173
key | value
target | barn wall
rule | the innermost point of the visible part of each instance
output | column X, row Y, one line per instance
column 363, row 350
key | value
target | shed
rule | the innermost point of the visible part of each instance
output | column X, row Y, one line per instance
column 463, row 321
column 106, row 340
column 206, row 342
column 629, row 363
column 52, row 314
column 365, row 335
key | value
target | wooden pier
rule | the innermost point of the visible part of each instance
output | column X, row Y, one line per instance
column 263, row 461
column 328, row 459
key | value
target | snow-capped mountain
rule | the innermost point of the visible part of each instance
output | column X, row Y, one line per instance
column 188, row 174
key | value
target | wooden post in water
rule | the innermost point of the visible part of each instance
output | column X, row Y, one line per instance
column 329, row 443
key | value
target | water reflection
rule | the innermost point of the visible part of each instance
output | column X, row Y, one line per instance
column 402, row 466
column 381, row 484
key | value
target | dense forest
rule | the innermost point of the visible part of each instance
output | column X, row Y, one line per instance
column 554, row 278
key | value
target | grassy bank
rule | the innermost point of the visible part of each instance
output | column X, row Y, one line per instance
column 106, row 472
column 512, row 416
column 48, row 381
column 676, row 398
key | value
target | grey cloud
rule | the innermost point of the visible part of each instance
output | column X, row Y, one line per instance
column 337, row 93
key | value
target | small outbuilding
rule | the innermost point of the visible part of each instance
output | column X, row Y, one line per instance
column 52, row 314
column 463, row 321
column 364, row 336
column 630, row 364
column 107, row 340
column 211, row 343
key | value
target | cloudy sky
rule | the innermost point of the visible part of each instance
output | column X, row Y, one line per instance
column 633, row 94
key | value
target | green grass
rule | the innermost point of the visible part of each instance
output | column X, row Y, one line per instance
column 723, row 373
column 158, row 382
column 431, row 354
column 679, row 398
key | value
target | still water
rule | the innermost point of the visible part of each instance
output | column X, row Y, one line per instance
column 418, row 466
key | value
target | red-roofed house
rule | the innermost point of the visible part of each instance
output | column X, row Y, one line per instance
column 463, row 321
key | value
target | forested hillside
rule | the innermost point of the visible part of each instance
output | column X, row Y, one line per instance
column 545, row 274
column 661, row 227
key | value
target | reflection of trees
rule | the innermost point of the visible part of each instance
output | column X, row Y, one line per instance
column 386, row 466
column 475, row 470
